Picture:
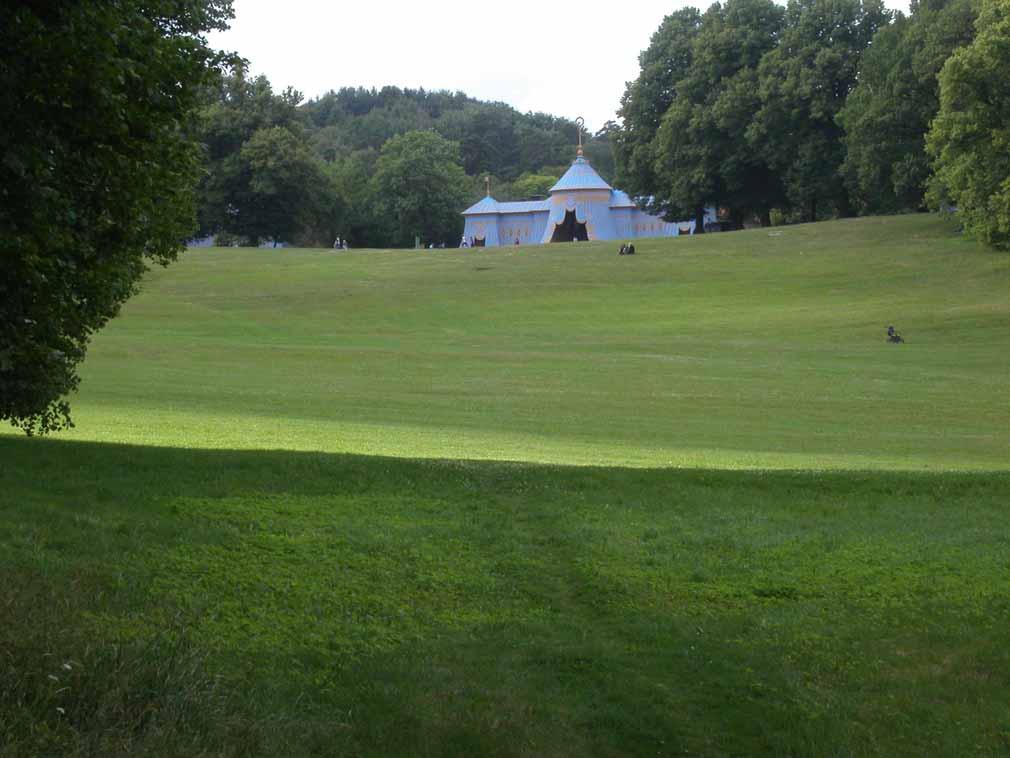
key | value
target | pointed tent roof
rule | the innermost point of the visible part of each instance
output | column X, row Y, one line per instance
column 487, row 205
column 581, row 176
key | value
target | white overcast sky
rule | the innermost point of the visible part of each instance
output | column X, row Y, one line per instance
column 568, row 59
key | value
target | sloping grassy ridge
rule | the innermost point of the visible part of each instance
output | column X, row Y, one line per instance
column 727, row 351
column 735, row 521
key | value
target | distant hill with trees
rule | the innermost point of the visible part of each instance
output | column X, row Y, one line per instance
column 333, row 174
column 811, row 110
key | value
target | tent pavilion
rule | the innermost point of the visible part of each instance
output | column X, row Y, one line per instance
column 581, row 206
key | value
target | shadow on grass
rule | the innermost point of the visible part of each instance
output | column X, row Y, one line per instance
column 259, row 602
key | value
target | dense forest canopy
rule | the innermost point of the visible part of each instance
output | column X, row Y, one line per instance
column 823, row 108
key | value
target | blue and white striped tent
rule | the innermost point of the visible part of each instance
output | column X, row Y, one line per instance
column 581, row 206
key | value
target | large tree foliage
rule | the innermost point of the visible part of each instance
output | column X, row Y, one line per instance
column 236, row 109
column 700, row 152
column 97, row 175
column 365, row 225
column 887, row 115
column 420, row 187
column 815, row 110
column 281, row 189
column 970, row 137
column 263, row 178
column 804, row 82
column 665, row 62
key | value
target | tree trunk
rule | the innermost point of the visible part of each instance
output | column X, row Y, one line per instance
column 845, row 209
column 699, row 221
column 813, row 209
column 766, row 217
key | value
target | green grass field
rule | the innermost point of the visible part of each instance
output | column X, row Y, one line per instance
column 533, row 501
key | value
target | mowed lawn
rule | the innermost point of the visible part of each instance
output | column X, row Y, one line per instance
column 535, row 501
column 734, row 351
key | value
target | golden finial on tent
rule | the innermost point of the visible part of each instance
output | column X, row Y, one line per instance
column 487, row 184
column 580, row 123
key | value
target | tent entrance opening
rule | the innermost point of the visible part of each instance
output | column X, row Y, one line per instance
column 569, row 229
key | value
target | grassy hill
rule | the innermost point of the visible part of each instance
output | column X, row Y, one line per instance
column 734, row 351
column 533, row 501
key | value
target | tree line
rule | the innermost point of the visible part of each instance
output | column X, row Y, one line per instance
column 821, row 109
column 374, row 166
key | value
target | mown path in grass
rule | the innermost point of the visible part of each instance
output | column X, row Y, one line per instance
column 348, row 605
column 725, row 351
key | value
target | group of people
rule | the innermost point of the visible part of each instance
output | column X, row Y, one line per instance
column 627, row 249
column 340, row 244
